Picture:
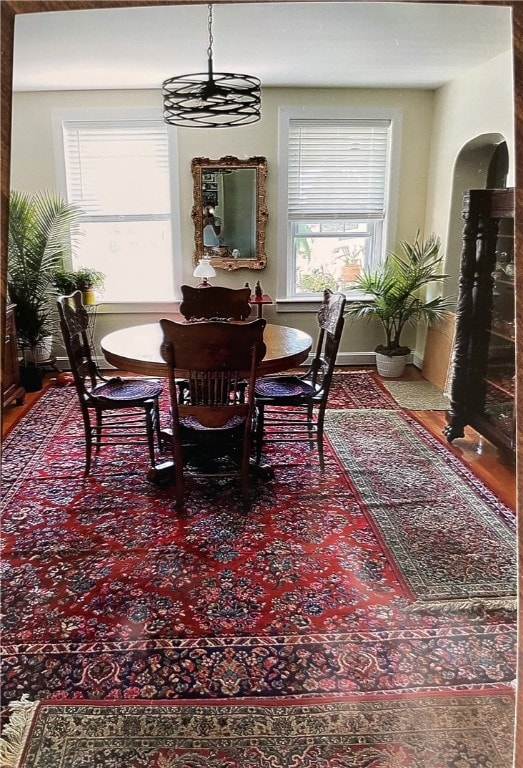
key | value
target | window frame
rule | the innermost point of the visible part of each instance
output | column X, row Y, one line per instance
column 125, row 115
column 287, row 299
column 373, row 234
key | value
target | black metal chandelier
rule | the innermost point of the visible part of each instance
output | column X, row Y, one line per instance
column 211, row 99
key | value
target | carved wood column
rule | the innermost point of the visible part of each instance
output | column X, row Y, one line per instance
column 473, row 312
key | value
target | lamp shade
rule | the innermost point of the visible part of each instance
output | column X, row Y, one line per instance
column 204, row 269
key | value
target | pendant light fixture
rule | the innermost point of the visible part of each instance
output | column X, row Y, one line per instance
column 211, row 99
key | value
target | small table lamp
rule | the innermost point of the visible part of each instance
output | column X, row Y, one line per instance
column 204, row 270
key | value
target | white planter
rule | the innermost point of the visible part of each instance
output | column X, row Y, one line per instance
column 41, row 353
column 390, row 367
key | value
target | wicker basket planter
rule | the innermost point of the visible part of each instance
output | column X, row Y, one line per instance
column 390, row 366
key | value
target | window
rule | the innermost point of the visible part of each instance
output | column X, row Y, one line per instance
column 117, row 172
column 337, row 195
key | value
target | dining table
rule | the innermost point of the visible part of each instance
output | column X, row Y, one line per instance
column 137, row 349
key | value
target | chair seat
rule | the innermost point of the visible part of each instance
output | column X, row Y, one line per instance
column 127, row 389
column 284, row 386
column 190, row 422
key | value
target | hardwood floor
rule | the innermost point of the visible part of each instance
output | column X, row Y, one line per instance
column 13, row 413
column 483, row 458
column 498, row 472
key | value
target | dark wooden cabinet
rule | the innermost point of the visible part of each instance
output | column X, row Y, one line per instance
column 483, row 361
column 11, row 387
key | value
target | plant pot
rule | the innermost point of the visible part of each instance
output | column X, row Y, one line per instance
column 349, row 272
column 42, row 352
column 390, row 366
column 31, row 378
column 88, row 297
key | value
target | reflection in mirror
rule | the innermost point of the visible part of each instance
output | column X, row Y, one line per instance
column 229, row 211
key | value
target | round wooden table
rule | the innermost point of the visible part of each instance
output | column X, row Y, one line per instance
column 137, row 349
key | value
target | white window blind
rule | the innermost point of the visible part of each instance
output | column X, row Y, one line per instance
column 338, row 168
column 118, row 170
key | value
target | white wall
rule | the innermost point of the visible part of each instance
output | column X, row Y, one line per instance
column 436, row 125
column 480, row 102
column 477, row 104
column 33, row 168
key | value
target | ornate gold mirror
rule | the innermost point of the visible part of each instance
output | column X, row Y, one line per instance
column 229, row 211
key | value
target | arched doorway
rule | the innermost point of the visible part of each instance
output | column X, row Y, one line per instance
column 482, row 163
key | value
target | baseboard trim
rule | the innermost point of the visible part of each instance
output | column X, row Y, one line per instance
column 344, row 358
column 369, row 358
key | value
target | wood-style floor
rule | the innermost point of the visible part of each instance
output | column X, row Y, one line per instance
column 482, row 457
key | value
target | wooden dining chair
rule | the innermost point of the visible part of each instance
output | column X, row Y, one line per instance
column 115, row 411
column 218, row 303
column 215, row 302
column 212, row 430
column 292, row 408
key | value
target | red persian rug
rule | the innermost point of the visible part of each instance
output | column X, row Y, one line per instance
column 375, row 732
column 109, row 594
column 360, row 389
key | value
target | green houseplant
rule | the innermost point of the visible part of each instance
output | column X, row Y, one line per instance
column 395, row 294
column 88, row 279
column 42, row 232
column 85, row 279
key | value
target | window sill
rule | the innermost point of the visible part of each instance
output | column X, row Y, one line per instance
column 137, row 307
column 310, row 303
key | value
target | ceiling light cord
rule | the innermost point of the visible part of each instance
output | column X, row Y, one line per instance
column 209, row 30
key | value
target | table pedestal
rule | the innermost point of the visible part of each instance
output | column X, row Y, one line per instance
column 162, row 474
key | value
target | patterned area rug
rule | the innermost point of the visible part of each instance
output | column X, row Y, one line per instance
column 417, row 395
column 449, row 535
column 378, row 733
column 109, row 594
column 359, row 389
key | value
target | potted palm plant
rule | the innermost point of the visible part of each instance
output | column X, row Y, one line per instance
column 42, row 232
column 395, row 294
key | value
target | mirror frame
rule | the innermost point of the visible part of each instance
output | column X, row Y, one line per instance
column 200, row 165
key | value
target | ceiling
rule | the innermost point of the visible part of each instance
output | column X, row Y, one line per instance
column 319, row 44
